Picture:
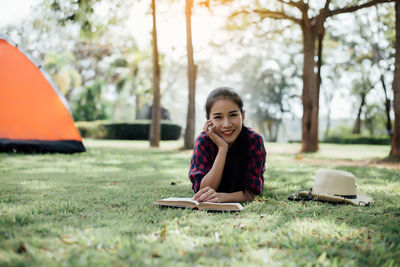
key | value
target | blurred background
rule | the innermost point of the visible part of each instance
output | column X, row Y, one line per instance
column 99, row 53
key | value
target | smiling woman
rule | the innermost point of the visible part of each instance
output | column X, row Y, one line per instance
column 228, row 159
column 226, row 120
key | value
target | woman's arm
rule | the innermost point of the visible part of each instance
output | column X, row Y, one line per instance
column 234, row 197
column 213, row 177
column 208, row 194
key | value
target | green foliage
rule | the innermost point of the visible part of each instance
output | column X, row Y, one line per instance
column 269, row 89
column 374, row 119
column 138, row 130
column 96, row 209
column 129, row 73
column 82, row 13
column 90, row 105
column 54, row 61
column 92, row 129
column 64, row 73
column 343, row 129
column 358, row 139
column 120, row 62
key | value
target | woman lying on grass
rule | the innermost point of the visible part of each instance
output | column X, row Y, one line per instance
column 228, row 159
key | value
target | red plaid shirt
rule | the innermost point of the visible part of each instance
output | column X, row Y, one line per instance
column 205, row 152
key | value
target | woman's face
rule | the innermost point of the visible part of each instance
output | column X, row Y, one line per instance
column 227, row 118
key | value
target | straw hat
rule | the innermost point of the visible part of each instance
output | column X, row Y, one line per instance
column 336, row 186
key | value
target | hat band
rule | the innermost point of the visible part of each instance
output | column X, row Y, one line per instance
column 347, row 196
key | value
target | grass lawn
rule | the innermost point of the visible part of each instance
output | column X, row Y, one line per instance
column 96, row 209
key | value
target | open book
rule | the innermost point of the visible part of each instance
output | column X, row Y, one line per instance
column 187, row 202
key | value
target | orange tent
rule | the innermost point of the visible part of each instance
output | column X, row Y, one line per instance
column 34, row 115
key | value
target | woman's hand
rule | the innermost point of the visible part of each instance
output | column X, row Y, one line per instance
column 209, row 129
column 207, row 194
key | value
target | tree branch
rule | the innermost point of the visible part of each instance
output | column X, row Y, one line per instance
column 355, row 8
column 265, row 13
column 299, row 4
column 326, row 7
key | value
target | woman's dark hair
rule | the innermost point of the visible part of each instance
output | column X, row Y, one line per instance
column 222, row 93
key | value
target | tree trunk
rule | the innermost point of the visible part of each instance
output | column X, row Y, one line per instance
column 277, row 126
column 328, row 98
column 378, row 58
column 319, row 62
column 328, row 123
column 357, row 124
column 138, row 105
column 387, row 108
column 155, row 127
column 395, row 149
column 310, row 97
column 319, row 79
column 270, row 125
column 262, row 127
column 192, row 70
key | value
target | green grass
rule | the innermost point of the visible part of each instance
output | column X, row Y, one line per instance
column 96, row 209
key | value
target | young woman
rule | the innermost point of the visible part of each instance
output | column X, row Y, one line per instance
column 228, row 159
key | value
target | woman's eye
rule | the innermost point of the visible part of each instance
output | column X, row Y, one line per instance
column 233, row 115
column 217, row 117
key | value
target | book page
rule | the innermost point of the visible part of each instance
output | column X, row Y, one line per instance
column 178, row 201
column 190, row 203
column 181, row 199
column 220, row 206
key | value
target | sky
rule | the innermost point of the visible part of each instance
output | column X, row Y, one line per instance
column 14, row 10
column 172, row 25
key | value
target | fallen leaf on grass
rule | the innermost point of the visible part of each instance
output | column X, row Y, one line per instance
column 110, row 250
column 299, row 157
column 259, row 199
column 156, row 253
column 46, row 248
column 113, row 183
column 21, row 249
column 69, row 240
column 181, row 252
column 240, row 225
column 163, row 234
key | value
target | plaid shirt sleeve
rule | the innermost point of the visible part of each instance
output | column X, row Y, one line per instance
column 204, row 154
column 256, row 165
